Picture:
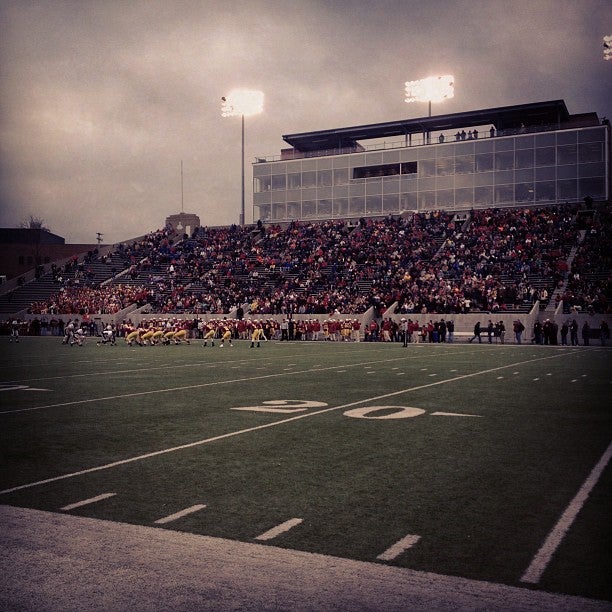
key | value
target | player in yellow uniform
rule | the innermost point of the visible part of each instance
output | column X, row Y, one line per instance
column 209, row 333
column 226, row 335
column 257, row 334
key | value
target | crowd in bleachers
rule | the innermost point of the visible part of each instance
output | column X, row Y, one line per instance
column 424, row 263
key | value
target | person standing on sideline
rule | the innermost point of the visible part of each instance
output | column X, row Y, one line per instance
column 476, row 333
column 574, row 332
column 490, row 330
column 518, row 328
column 564, row 331
column 450, row 329
column 604, row 332
column 586, row 333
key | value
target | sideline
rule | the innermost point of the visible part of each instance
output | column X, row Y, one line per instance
column 266, row 425
column 81, row 563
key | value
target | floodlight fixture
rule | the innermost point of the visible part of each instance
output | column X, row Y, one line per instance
column 430, row 89
column 242, row 103
column 607, row 44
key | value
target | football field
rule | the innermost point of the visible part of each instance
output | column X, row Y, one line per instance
column 486, row 462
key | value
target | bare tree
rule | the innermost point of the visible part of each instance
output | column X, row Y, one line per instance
column 35, row 223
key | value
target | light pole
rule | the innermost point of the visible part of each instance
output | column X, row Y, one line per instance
column 242, row 102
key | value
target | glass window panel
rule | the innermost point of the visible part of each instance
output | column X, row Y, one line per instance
column 504, row 160
column 408, row 183
column 464, row 164
column 484, row 162
column 309, row 179
column 484, row 146
column 566, row 137
column 544, row 140
column 262, row 198
column 342, row 161
column 484, row 178
column 294, row 210
column 357, row 206
column 341, row 192
column 567, row 190
column 309, row 194
column 504, row 144
column 264, row 211
column 324, row 178
column 566, row 172
column 445, row 166
column 374, row 187
column 407, row 155
column 427, row 200
column 546, row 191
column 504, row 177
column 324, row 163
column 391, row 157
column 427, row 184
column 445, row 182
column 545, row 156
column 324, row 193
column 524, row 142
column 357, row 160
column 585, row 170
column 262, row 184
column 261, row 170
column 567, row 154
column 593, row 135
column 279, row 181
column 464, row 198
column 324, row 208
column 464, row 148
column 594, row 187
column 279, row 211
column 464, row 180
column 357, row 189
column 341, row 176
column 524, row 192
column 504, row 194
column 309, row 209
column 309, row 164
column 483, row 196
column 391, row 203
column 373, row 159
column 525, row 175
column 340, row 207
column 590, row 152
column 523, row 158
column 391, row 184
column 373, row 205
column 426, row 153
column 408, row 201
column 547, row 173
column 445, row 198
column 427, row 167
column 294, row 181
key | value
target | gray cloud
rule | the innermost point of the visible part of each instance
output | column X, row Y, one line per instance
column 102, row 100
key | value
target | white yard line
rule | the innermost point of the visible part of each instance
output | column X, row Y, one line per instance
column 267, row 425
column 542, row 558
column 86, row 502
column 180, row 514
column 279, row 529
column 198, row 386
column 399, row 547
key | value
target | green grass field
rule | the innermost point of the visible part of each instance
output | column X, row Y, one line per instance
column 454, row 459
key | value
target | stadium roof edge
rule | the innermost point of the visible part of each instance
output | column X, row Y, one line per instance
column 550, row 112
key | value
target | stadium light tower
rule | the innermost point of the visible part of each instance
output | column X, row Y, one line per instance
column 242, row 103
column 430, row 89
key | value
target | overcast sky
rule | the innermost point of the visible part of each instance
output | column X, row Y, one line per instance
column 100, row 100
